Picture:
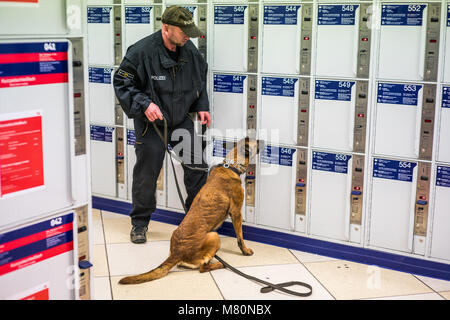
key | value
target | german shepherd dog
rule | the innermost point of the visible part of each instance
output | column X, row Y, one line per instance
column 194, row 243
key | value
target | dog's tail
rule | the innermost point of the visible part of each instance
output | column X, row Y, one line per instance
column 154, row 274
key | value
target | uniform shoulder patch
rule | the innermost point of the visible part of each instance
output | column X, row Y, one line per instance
column 125, row 74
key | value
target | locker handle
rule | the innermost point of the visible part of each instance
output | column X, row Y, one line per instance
column 352, row 119
column 347, row 203
column 298, row 45
column 417, row 132
column 423, row 39
column 412, row 211
column 246, row 41
column 356, row 43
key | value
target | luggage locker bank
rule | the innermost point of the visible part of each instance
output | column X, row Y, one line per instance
column 352, row 100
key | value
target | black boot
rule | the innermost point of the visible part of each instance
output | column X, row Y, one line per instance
column 138, row 234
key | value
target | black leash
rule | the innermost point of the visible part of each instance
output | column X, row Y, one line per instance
column 269, row 286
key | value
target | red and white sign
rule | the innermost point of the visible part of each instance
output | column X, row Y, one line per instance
column 21, row 153
column 40, row 292
column 19, row 2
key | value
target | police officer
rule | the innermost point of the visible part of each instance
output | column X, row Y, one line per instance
column 162, row 79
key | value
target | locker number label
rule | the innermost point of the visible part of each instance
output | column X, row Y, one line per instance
column 334, row 90
column 229, row 14
column 343, row 15
column 281, row 15
column 330, row 162
column 443, row 177
column 400, row 94
column 393, row 169
column 402, row 15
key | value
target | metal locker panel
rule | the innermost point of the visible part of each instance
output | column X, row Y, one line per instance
column 444, row 131
column 331, row 182
column 334, row 109
column 230, row 38
column 139, row 23
column 281, row 39
column 277, row 173
column 446, row 75
column 402, row 41
column 398, row 119
column 279, row 110
column 441, row 219
column 100, row 30
column 103, row 160
column 337, row 40
column 229, row 105
column 131, row 160
column 392, row 204
column 36, row 129
column 101, row 96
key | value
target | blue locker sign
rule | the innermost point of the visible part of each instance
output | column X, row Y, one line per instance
column 281, row 15
column 98, row 14
column 446, row 97
column 334, row 90
column 443, row 177
column 221, row 148
column 330, row 162
column 393, row 169
column 137, row 15
column 100, row 133
column 131, row 137
column 402, row 14
column 100, row 75
column 284, row 87
column 448, row 16
column 229, row 83
column 229, row 14
column 278, row 155
column 401, row 94
column 191, row 9
column 343, row 15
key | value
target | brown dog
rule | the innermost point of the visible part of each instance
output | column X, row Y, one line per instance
column 194, row 243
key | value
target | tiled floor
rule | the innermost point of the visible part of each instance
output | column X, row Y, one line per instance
column 114, row 256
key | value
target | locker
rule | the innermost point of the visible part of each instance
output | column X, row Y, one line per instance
column 446, row 75
column 405, row 120
column 399, row 205
column 409, row 41
column 101, row 96
column 336, row 192
column 37, row 175
column 441, row 220
column 100, row 28
column 334, row 114
column 139, row 23
column 229, row 100
column 276, row 184
column 103, row 160
column 279, row 110
column 444, row 131
column 286, row 44
column 343, row 33
column 235, row 38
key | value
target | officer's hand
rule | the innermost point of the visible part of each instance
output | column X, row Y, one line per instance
column 153, row 112
column 205, row 117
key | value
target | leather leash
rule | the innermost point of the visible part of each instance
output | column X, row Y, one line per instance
column 269, row 286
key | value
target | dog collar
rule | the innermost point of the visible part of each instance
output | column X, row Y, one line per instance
column 226, row 165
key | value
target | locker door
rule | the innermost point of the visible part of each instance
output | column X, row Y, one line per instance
column 334, row 110
column 100, row 35
column 446, row 75
column 441, row 221
column 173, row 200
column 230, row 104
column 139, row 23
column 101, row 96
column 230, row 38
column 337, row 40
column 409, row 41
column 392, row 205
column 444, row 132
column 398, row 119
column 131, row 161
column 331, row 181
column 103, row 160
column 276, row 207
column 281, row 39
column 279, row 110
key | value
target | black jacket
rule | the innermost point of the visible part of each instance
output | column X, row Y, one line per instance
column 147, row 74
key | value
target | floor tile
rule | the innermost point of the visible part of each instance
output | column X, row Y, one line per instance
column 118, row 230
column 101, row 288
column 99, row 261
column 435, row 284
column 309, row 257
column 264, row 254
column 113, row 215
column 236, row 287
column 423, row 296
column 445, row 294
column 186, row 285
column 350, row 280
